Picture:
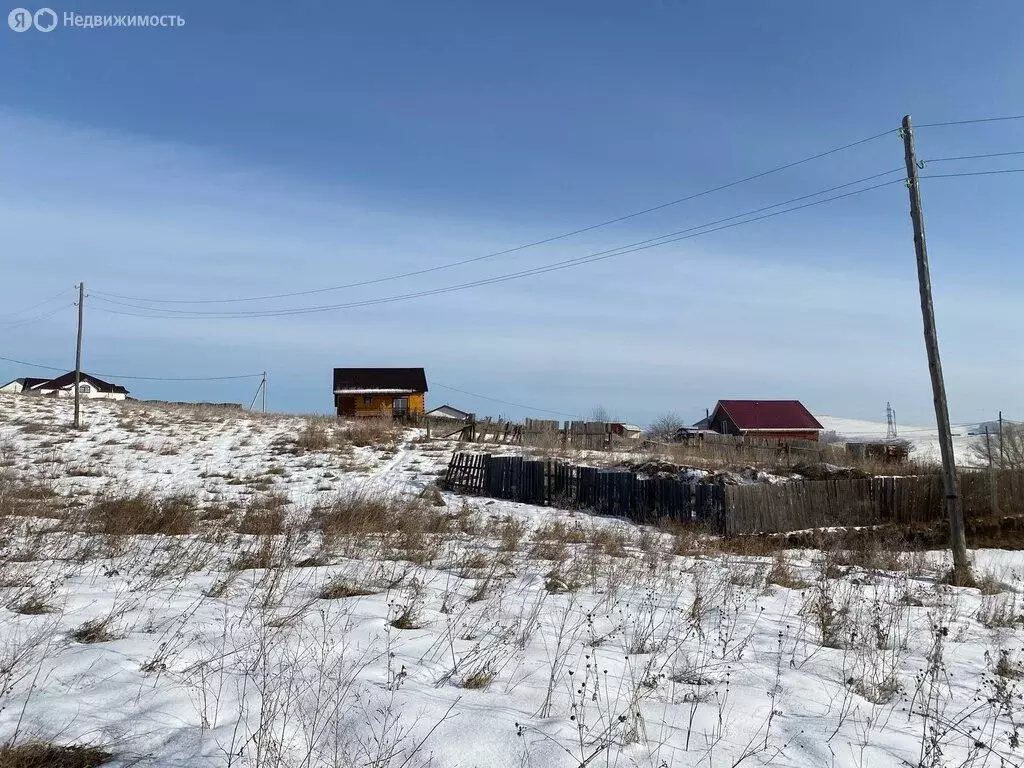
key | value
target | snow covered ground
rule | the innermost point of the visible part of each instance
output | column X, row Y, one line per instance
column 304, row 606
column 924, row 441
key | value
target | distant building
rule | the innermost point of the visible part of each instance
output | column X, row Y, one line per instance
column 20, row 385
column 765, row 419
column 392, row 392
column 887, row 450
column 628, row 431
column 449, row 412
column 64, row 386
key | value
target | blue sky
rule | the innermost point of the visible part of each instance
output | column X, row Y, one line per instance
column 263, row 149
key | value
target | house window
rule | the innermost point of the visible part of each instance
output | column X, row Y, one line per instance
column 85, row 389
column 367, row 399
column 400, row 405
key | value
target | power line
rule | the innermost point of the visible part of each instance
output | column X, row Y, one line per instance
column 973, row 157
column 970, row 122
column 506, row 402
column 34, row 306
column 32, row 365
column 544, row 241
column 971, row 173
column 16, row 323
column 138, row 378
column 642, row 245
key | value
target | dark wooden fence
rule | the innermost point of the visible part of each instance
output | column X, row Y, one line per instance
column 797, row 506
column 607, row 492
column 737, row 509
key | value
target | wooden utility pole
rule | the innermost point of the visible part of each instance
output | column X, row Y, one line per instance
column 264, row 391
column 957, row 542
column 1002, row 451
column 78, row 356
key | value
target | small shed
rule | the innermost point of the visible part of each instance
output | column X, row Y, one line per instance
column 449, row 412
column 888, row 451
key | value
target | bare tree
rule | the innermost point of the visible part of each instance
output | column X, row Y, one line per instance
column 599, row 413
column 665, row 426
column 1007, row 450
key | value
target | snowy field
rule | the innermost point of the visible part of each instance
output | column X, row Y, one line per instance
column 924, row 441
column 188, row 587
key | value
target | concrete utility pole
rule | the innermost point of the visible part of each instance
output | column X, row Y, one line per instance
column 957, row 541
column 264, row 391
column 78, row 356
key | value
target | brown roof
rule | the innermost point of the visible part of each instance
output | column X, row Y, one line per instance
column 768, row 414
column 411, row 379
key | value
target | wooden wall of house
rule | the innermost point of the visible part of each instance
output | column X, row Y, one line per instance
column 723, row 425
column 382, row 405
column 810, row 434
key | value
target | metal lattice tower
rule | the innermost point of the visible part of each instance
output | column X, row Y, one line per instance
column 890, row 418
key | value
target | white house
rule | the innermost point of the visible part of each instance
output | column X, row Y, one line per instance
column 20, row 385
column 64, row 386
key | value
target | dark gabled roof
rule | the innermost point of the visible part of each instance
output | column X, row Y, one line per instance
column 25, row 381
column 412, row 379
column 68, row 379
column 768, row 414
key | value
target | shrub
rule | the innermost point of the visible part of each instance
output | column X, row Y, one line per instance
column 665, row 427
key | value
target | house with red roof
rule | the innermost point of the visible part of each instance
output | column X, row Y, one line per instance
column 765, row 419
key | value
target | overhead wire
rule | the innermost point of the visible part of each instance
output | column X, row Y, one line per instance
column 691, row 232
column 26, row 321
column 970, row 173
column 137, row 378
column 973, row 157
column 34, row 306
column 505, row 252
column 970, row 122
column 504, row 402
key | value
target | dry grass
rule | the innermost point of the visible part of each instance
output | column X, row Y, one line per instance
column 19, row 497
column 341, row 587
column 143, row 513
column 40, row 755
column 358, row 513
column 31, row 605
column 93, row 631
column 382, row 432
column 407, row 616
column 318, row 434
column 478, row 679
column 264, row 515
column 782, row 573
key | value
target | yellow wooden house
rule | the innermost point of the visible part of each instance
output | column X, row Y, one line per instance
column 390, row 392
